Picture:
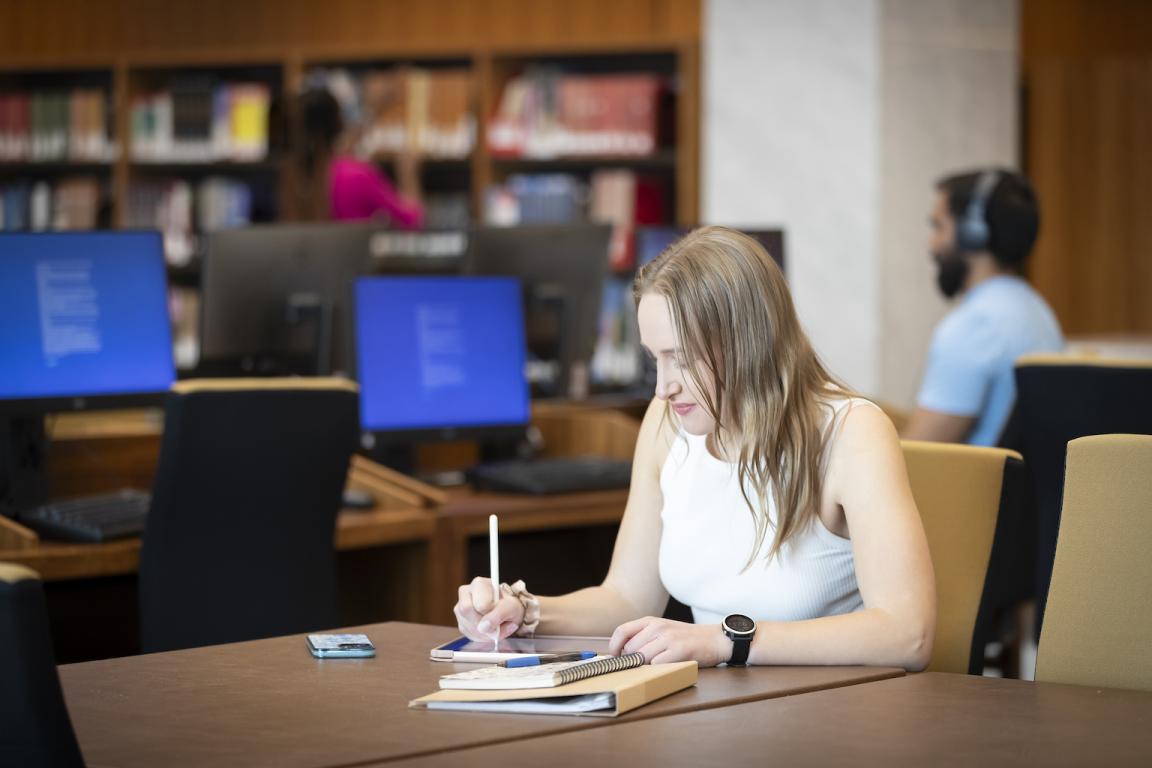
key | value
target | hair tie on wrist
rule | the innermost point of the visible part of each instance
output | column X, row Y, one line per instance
column 531, row 605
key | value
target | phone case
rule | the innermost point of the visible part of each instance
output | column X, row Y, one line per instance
column 341, row 646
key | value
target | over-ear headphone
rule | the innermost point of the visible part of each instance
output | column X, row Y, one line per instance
column 972, row 231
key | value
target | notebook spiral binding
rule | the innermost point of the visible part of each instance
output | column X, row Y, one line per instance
column 600, row 667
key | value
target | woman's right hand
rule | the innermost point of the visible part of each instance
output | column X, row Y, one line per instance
column 479, row 617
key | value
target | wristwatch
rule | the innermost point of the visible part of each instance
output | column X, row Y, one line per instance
column 740, row 630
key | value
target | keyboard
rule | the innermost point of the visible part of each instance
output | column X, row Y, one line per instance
column 552, row 475
column 91, row 518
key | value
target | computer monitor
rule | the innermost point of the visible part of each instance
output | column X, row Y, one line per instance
column 440, row 358
column 83, row 324
column 273, row 297
column 562, row 269
column 651, row 242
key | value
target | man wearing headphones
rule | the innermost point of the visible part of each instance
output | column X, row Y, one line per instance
column 983, row 227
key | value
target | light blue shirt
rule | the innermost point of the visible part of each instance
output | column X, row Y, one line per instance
column 974, row 350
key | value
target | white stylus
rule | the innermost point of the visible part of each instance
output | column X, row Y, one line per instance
column 494, row 570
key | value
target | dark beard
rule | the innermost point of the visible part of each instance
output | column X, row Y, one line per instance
column 951, row 272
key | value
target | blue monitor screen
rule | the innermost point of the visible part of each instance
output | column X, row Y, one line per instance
column 437, row 353
column 651, row 242
column 82, row 315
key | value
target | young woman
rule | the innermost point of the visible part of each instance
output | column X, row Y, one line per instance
column 356, row 188
column 764, row 495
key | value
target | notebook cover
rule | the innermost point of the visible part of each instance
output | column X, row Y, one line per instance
column 632, row 688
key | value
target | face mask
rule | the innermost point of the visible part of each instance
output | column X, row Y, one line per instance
column 951, row 272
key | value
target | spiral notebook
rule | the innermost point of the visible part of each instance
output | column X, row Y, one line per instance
column 542, row 676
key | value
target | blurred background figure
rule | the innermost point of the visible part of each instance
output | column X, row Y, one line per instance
column 336, row 162
column 984, row 225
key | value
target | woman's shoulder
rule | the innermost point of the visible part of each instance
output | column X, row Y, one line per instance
column 842, row 403
column 855, row 422
column 860, row 428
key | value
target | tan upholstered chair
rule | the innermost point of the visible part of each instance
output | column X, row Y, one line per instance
column 959, row 491
column 1098, row 629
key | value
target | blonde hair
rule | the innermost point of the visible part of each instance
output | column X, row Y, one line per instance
column 734, row 316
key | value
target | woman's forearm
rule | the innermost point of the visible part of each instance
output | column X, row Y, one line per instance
column 871, row 636
column 594, row 611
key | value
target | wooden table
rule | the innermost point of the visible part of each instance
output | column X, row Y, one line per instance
column 268, row 703
column 920, row 720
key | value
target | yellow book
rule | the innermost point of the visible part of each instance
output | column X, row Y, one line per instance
column 600, row 696
column 249, row 121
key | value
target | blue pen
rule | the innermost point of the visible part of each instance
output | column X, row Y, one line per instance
column 532, row 661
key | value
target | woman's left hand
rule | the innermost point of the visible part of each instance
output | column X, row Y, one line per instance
column 663, row 640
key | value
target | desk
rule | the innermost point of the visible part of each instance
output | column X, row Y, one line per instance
column 268, row 703
column 930, row 719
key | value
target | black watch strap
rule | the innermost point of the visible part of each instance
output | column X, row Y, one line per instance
column 740, row 648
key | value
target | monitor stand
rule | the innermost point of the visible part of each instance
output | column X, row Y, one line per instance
column 23, row 452
column 309, row 317
column 302, row 346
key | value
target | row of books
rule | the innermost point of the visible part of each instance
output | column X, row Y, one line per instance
column 621, row 197
column 59, row 125
column 427, row 112
column 72, row 203
column 198, row 121
column 544, row 198
column 180, row 210
column 547, row 114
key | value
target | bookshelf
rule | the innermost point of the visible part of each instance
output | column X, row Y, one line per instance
column 196, row 47
column 57, row 149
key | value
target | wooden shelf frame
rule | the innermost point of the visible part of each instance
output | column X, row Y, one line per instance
column 493, row 38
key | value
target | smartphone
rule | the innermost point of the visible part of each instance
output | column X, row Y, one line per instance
column 467, row 651
column 341, row 646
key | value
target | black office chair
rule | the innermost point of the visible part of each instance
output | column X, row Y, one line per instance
column 1058, row 399
column 35, row 731
column 239, row 542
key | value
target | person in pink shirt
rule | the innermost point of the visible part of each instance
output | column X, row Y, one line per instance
column 356, row 187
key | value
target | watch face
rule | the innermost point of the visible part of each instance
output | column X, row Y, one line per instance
column 739, row 623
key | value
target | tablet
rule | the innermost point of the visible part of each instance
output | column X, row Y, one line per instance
column 468, row 651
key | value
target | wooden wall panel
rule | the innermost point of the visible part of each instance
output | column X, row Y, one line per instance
column 55, row 30
column 1088, row 149
column 1084, row 28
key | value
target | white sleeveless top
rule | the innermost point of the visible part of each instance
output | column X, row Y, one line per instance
column 708, row 534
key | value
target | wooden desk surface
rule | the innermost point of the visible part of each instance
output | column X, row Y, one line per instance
column 268, row 703
column 930, row 719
